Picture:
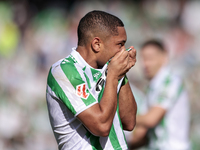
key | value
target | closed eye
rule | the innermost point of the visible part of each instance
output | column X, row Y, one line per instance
column 121, row 44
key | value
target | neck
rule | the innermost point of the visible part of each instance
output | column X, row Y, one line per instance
column 88, row 55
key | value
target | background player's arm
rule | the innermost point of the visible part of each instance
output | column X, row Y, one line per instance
column 152, row 117
column 139, row 137
column 98, row 118
column 127, row 107
column 143, row 124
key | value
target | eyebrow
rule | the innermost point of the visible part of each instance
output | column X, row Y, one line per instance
column 122, row 41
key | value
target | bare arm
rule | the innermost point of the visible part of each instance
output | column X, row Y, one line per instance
column 152, row 117
column 99, row 117
column 127, row 104
column 143, row 123
column 139, row 137
column 127, row 107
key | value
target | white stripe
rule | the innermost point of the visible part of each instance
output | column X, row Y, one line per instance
column 105, row 140
column 87, row 145
column 89, row 74
column 79, row 69
column 119, row 131
column 119, row 85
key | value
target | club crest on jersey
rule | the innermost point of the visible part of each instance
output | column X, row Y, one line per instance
column 81, row 91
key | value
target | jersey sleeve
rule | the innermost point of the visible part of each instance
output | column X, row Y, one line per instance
column 67, row 83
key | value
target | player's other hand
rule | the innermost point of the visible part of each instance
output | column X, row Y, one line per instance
column 132, row 57
column 121, row 63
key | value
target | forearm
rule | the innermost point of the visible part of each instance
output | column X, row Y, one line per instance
column 127, row 107
column 108, row 103
column 139, row 137
column 151, row 118
column 99, row 117
column 144, row 120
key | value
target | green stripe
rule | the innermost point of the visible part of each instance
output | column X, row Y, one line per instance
column 125, row 80
column 161, row 98
column 59, row 92
column 94, row 140
column 112, row 135
column 75, row 79
column 113, row 139
column 100, row 94
column 167, row 82
column 163, row 124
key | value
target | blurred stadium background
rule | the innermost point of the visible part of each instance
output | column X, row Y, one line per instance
column 36, row 33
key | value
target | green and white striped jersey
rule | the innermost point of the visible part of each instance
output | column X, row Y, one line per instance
column 71, row 89
column 166, row 90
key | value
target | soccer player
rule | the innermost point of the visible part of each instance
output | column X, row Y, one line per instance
column 88, row 94
column 166, row 120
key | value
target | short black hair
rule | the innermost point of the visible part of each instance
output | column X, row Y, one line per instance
column 157, row 43
column 97, row 22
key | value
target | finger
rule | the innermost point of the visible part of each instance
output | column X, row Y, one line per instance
column 125, row 54
column 132, row 53
column 118, row 54
column 131, row 47
column 122, row 55
column 132, row 62
column 133, row 50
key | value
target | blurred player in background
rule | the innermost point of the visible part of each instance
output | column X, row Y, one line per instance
column 88, row 94
column 165, row 123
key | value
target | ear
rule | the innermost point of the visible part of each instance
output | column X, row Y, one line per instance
column 96, row 44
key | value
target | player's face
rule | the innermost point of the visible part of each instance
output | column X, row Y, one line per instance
column 152, row 60
column 113, row 44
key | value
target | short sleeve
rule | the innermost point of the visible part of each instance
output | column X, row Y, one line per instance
column 68, row 85
column 164, row 99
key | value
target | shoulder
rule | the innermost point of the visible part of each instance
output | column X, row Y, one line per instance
column 175, row 79
column 66, row 70
column 65, row 66
column 172, row 85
